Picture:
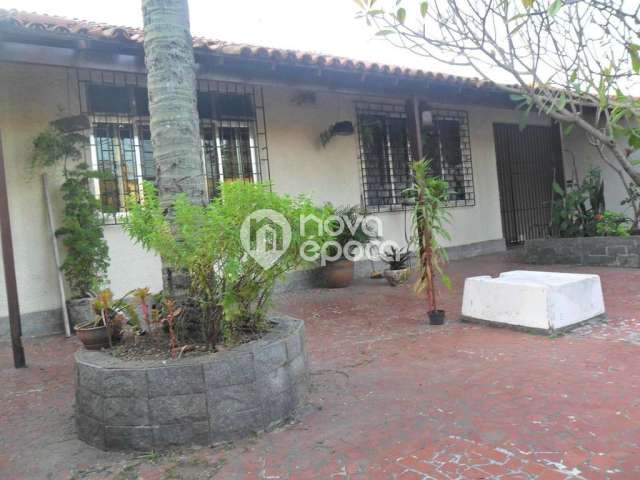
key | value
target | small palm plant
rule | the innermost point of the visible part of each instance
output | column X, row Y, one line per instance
column 398, row 261
column 429, row 219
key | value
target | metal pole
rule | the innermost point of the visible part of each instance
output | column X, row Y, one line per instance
column 56, row 254
column 10, row 269
column 415, row 127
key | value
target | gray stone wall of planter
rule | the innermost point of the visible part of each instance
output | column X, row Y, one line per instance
column 589, row 251
column 145, row 405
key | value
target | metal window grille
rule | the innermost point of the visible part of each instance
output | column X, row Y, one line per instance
column 384, row 155
column 233, row 135
column 447, row 143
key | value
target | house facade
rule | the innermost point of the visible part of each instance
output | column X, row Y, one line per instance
column 263, row 112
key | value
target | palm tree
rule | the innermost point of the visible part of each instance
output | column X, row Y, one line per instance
column 174, row 124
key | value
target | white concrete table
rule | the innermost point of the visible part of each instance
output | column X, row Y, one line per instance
column 543, row 301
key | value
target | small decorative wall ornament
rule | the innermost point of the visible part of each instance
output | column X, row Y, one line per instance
column 304, row 97
column 343, row 128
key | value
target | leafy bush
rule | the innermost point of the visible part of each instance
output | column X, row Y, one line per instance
column 51, row 146
column 574, row 210
column 612, row 224
column 350, row 216
column 85, row 265
column 229, row 290
column 633, row 201
column 87, row 255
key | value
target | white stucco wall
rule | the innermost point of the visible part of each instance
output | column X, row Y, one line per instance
column 300, row 165
column 580, row 157
column 32, row 96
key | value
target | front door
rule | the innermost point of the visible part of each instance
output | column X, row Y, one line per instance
column 528, row 161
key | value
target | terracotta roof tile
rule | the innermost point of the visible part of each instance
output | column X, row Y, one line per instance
column 14, row 19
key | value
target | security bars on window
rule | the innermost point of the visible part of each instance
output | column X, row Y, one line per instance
column 446, row 142
column 232, row 124
column 385, row 154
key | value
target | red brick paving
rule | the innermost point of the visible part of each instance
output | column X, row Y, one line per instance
column 392, row 398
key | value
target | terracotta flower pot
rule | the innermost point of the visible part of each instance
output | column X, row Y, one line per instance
column 97, row 338
column 397, row 277
column 338, row 274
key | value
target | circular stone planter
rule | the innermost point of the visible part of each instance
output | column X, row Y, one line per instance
column 151, row 404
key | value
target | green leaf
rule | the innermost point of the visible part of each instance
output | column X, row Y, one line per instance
column 555, row 7
column 557, row 188
column 527, row 3
column 635, row 58
column 382, row 33
column 573, row 76
column 523, row 120
column 567, row 129
column 516, row 97
column 562, row 101
column 424, row 8
column 518, row 27
column 401, row 15
column 634, row 140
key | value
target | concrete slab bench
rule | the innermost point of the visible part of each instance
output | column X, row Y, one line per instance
column 546, row 302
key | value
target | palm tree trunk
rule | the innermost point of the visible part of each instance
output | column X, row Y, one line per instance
column 175, row 130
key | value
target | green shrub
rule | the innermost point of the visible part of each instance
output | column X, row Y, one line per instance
column 85, row 265
column 574, row 209
column 230, row 290
column 87, row 255
column 348, row 215
column 612, row 224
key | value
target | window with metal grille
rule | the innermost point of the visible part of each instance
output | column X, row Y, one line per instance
column 233, row 135
column 446, row 143
column 384, row 154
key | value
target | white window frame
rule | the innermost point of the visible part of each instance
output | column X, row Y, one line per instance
column 137, row 147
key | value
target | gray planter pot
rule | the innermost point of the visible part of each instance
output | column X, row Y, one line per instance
column 80, row 311
column 397, row 277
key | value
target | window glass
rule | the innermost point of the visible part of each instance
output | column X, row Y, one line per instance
column 121, row 145
column 233, row 105
column 385, row 158
column 146, row 154
column 108, row 155
column 108, row 99
column 442, row 145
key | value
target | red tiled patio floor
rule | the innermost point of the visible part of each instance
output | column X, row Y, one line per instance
column 391, row 397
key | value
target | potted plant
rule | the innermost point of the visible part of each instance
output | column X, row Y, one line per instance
column 429, row 218
column 350, row 233
column 85, row 265
column 398, row 261
column 343, row 128
column 106, row 326
column 87, row 255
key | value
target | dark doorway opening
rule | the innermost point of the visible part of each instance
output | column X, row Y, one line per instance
column 528, row 161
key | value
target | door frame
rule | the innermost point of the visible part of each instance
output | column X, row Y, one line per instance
column 512, row 229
